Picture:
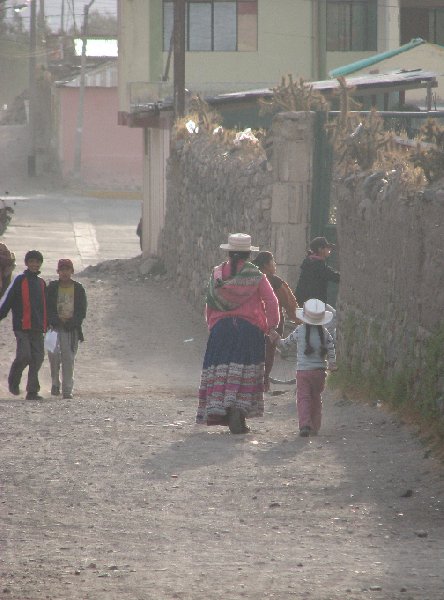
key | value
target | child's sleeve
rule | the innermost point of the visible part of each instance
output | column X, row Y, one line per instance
column 288, row 342
column 7, row 300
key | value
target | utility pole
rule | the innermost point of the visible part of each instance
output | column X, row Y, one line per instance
column 42, row 33
column 79, row 129
column 179, row 58
column 62, row 17
column 32, row 89
column 322, row 39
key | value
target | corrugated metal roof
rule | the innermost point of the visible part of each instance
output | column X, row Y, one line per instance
column 363, row 85
column 103, row 76
column 372, row 60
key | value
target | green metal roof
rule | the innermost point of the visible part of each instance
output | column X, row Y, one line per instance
column 372, row 60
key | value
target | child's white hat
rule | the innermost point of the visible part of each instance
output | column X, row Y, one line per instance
column 314, row 312
column 239, row 242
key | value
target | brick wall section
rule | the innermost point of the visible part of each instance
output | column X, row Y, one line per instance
column 391, row 295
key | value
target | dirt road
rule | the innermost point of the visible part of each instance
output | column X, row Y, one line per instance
column 118, row 495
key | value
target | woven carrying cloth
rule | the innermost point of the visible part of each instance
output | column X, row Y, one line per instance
column 231, row 293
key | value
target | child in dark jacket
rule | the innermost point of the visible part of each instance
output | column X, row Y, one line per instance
column 66, row 311
column 315, row 274
column 25, row 296
column 314, row 277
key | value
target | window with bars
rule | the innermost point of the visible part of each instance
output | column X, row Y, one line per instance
column 352, row 25
column 215, row 25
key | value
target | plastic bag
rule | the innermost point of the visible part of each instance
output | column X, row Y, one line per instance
column 51, row 338
column 245, row 136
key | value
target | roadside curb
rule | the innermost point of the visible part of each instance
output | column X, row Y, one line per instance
column 112, row 194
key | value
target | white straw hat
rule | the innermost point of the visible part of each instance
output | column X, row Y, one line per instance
column 314, row 312
column 239, row 242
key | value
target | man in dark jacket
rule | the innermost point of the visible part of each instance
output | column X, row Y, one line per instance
column 25, row 296
column 66, row 311
column 315, row 274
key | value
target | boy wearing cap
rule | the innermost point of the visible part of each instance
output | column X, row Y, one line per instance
column 25, row 296
column 315, row 273
column 66, row 310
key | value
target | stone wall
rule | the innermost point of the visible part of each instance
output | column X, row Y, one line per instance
column 212, row 190
column 391, row 297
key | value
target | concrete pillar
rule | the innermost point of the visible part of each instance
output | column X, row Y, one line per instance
column 156, row 153
column 292, row 184
column 388, row 25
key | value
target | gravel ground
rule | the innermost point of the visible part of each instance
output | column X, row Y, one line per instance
column 117, row 494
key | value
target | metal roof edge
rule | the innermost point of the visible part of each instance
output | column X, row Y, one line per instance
column 372, row 60
column 110, row 62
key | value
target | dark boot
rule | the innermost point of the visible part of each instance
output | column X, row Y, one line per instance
column 235, row 420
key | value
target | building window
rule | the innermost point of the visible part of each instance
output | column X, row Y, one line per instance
column 425, row 23
column 352, row 25
column 215, row 25
column 436, row 26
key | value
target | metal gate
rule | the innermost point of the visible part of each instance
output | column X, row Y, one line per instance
column 323, row 210
column 323, row 201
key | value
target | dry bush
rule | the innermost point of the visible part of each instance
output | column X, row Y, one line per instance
column 430, row 159
column 200, row 113
column 208, row 126
column 412, row 178
column 359, row 141
column 294, row 96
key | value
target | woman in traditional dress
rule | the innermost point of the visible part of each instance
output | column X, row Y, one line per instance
column 241, row 308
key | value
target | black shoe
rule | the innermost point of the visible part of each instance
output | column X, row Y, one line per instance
column 67, row 396
column 14, row 389
column 55, row 390
column 235, row 420
column 33, row 396
column 304, row 431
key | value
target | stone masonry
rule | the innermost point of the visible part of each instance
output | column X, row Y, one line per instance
column 214, row 190
column 391, row 295
column 391, row 244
